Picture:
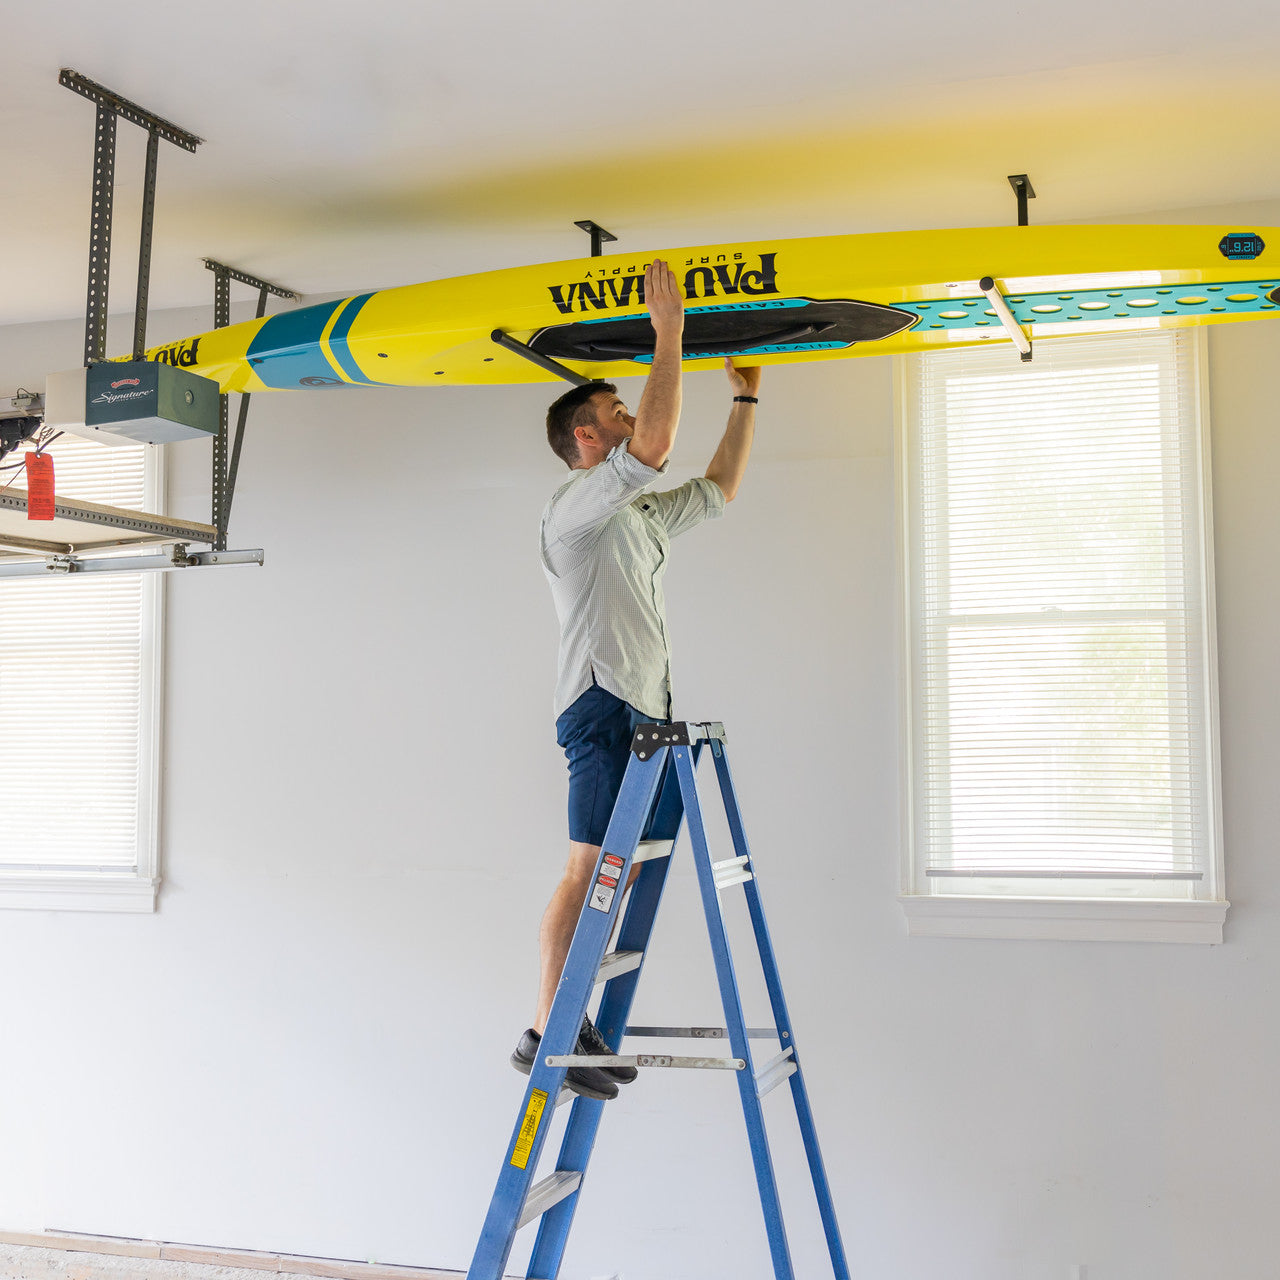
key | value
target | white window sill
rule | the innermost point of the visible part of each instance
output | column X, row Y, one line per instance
column 54, row 892
column 1072, row 920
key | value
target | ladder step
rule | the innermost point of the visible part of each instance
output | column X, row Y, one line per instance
column 550, row 1191
column 617, row 963
column 649, row 849
column 775, row 1071
column 700, row 1033
column 730, row 871
column 642, row 1060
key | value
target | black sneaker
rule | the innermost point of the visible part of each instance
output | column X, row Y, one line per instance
column 591, row 1041
column 587, row 1081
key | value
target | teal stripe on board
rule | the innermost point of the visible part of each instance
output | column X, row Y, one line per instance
column 341, row 348
column 286, row 351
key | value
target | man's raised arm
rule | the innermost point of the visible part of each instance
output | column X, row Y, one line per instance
column 730, row 461
column 659, row 413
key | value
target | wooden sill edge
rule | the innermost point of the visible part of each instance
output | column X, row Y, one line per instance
column 280, row 1263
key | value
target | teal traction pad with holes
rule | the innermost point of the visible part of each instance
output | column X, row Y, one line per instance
column 1131, row 303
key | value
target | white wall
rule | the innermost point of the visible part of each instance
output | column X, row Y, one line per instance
column 305, row 1049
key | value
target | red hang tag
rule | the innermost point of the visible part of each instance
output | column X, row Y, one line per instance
column 39, row 486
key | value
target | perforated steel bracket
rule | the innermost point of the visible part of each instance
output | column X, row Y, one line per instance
column 224, row 471
column 110, row 105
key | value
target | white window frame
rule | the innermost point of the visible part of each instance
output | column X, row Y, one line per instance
column 118, row 891
column 1060, row 917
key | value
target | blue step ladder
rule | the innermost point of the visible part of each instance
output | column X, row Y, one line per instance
column 658, row 794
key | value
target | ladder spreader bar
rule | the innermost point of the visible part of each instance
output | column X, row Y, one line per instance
column 643, row 1060
column 700, row 1033
column 551, row 1190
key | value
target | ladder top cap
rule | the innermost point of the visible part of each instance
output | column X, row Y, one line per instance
column 650, row 738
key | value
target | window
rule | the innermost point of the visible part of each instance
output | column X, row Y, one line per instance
column 79, row 712
column 1060, row 706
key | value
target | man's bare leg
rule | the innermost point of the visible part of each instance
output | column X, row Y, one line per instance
column 561, row 918
column 559, row 921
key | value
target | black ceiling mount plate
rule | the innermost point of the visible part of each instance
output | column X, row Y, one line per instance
column 801, row 324
column 1023, row 189
column 599, row 236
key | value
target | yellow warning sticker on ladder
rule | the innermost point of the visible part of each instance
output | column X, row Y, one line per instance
column 529, row 1128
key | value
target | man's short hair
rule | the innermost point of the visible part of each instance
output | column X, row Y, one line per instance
column 571, row 411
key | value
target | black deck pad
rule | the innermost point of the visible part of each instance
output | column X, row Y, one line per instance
column 781, row 325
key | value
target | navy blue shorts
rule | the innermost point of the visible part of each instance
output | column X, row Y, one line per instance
column 596, row 736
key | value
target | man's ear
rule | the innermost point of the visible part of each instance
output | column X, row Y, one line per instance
column 585, row 434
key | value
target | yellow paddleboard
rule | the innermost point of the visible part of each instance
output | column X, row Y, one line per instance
column 767, row 302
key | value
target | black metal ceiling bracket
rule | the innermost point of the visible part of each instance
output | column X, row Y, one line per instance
column 252, row 281
column 1023, row 189
column 130, row 111
column 224, row 471
column 599, row 236
column 110, row 105
column 543, row 362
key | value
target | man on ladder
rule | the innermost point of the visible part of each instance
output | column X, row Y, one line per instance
column 604, row 549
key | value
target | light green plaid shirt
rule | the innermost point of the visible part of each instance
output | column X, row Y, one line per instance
column 605, row 544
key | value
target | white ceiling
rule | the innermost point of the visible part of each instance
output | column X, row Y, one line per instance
column 364, row 145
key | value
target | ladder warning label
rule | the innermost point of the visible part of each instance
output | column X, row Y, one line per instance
column 606, row 884
column 529, row 1128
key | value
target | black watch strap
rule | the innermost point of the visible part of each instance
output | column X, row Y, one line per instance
column 746, row 399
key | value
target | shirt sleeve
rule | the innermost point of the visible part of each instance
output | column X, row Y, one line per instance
column 583, row 506
column 682, row 509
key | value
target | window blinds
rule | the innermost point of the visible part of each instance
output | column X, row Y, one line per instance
column 1057, row 613
column 73, row 655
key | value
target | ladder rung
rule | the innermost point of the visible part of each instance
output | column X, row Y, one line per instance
column 774, row 1072
column 642, row 1060
column 550, row 1191
column 617, row 963
column 730, row 871
column 648, row 849
column 700, row 1033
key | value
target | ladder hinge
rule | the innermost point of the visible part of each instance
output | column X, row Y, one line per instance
column 649, row 738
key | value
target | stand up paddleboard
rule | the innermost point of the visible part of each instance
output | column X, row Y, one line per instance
column 767, row 302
